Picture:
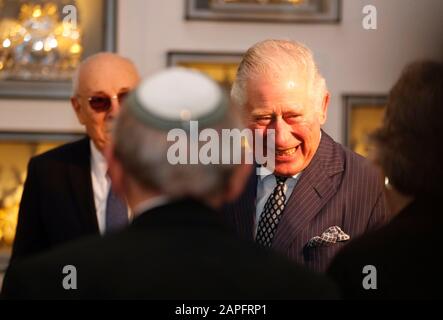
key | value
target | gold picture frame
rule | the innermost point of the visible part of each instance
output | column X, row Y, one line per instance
column 281, row 11
column 363, row 114
column 98, row 20
column 220, row 66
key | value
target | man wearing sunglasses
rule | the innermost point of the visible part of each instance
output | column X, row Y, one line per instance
column 68, row 192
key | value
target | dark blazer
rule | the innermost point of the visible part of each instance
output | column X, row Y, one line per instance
column 181, row 250
column 338, row 188
column 406, row 253
column 58, row 202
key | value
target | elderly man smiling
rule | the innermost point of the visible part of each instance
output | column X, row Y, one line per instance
column 320, row 194
column 67, row 192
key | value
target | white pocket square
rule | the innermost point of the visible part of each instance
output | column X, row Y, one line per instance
column 329, row 237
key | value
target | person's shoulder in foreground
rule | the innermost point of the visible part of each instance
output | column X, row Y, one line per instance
column 179, row 250
column 401, row 260
column 404, row 259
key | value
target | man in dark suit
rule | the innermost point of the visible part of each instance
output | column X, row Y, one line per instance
column 66, row 191
column 177, row 246
column 319, row 194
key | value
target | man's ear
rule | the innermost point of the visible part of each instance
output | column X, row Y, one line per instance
column 77, row 109
column 237, row 182
column 324, row 108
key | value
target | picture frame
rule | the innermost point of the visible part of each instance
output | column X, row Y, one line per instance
column 98, row 20
column 5, row 256
column 363, row 113
column 220, row 66
column 308, row 11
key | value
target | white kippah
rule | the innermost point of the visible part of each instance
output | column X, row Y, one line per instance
column 175, row 96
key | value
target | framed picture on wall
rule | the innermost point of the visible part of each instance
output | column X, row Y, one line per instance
column 16, row 149
column 222, row 67
column 42, row 42
column 363, row 114
column 291, row 11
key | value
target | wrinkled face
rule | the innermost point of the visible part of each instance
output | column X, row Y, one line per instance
column 284, row 104
column 105, row 77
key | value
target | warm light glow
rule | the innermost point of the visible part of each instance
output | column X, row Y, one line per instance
column 291, row 84
column 75, row 35
column 37, row 12
column 53, row 43
column 6, row 43
column 40, row 36
column 1, row 65
column 38, row 46
column 51, row 9
column 76, row 48
column 50, row 44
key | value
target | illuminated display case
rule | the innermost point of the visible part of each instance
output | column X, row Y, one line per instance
column 42, row 42
column 15, row 151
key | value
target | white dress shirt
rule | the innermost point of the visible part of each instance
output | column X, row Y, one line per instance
column 101, row 183
column 265, row 185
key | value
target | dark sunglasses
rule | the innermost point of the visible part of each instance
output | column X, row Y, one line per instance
column 102, row 103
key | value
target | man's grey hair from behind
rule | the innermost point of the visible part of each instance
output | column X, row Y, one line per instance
column 142, row 150
column 273, row 58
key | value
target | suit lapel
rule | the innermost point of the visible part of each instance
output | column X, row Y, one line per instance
column 81, row 182
column 314, row 189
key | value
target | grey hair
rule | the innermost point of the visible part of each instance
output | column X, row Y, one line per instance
column 274, row 58
column 142, row 150
column 76, row 73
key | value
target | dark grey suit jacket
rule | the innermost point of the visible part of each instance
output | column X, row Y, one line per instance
column 57, row 205
column 181, row 250
column 338, row 188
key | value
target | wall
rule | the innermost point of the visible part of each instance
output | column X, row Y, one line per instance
column 352, row 59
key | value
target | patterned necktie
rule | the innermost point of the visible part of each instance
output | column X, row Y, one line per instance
column 271, row 215
column 116, row 212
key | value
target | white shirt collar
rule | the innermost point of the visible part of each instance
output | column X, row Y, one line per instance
column 98, row 163
column 266, row 173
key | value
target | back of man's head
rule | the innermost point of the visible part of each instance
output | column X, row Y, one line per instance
column 411, row 131
column 154, row 130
